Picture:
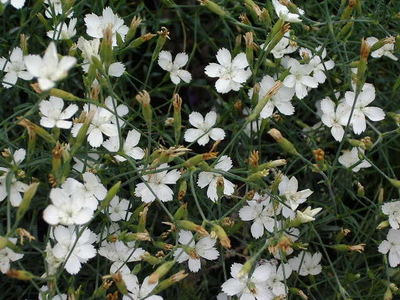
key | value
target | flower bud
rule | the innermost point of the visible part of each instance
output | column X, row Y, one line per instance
column 388, row 295
column 362, row 66
column 182, row 191
column 63, row 94
column 261, row 104
column 220, row 187
column 177, row 103
column 360, row 190
column 162, row 245
column 33, row 128
column 111, row 193
column 170, row 281
column 244, row 271
column 26, row 200
column 258, row 175
column 254, row 9
column 135, row 23
column 163, row 35
column 383, row 225
column 300, row 293
column 214, row 7
column 152, row 260
column 283, row 142
column 197, row 159
column 395, row 183
column 265, row 17
column 352, row 248
column 182, row 211
column 43, row 21
column 348, row 10
column 161, row 271
column 102, row 290
column 140, row 40
column 120, row 283
column 272, row 164
column 345, row 29
column 222, row 236
column 144, row 99
column 106, row 48
column 80, row 138
column 20, row 274
column 248, row 37
column 189, row 225
column 24, row 44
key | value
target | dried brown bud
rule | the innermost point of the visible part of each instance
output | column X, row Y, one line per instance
column 143, row 98
column 238, row 105
column 164, row 32
column 24, row 233
column 319, row 154
column 365, row 50
column 248, row 38
column 254, row 158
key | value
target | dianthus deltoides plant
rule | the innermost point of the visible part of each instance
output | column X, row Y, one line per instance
column 200, row 149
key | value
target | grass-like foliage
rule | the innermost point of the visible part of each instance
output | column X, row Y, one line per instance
column 211, row 149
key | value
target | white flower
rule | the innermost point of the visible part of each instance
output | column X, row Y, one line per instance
column 57, row 6
column 391, row 245
column 97, row 24
column 283, row 13
column 392, row 209
column 308, row 214
column 306, row 264
column 203, row 248
column 66, row 238
column 7, row 255
column 174, row 67
column 157, row 184
column 89, row 193
column 262, row 211
column 299, row 78
column 136, row 291
column 63, row 31
column 385, row 50
column 231, row 73
column 361, row 110
column 120, row 254
column 350, row 158
column 211, row 178
column 101, row 124
column 203, row 130
column 66, row 210
column 277, row 278
column 293, row 198
column 15, row 68
column 119, row 209
column 249, row 288
column 282, row 48
column 89, row 50
column 16, row 187
column 281, row 100
column 129, row 146
column 317, row 64
column 49, row 69
column 53, row 114
column 18, row 4
column 332, row 117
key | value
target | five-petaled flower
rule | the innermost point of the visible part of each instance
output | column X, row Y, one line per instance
column 203, row 130
column 49, row 69
column 175, row 67
column 53, row 114
column 14, row 68
column 192, row 251
column 232, row 73
column 157, row 184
